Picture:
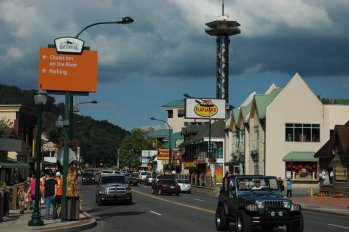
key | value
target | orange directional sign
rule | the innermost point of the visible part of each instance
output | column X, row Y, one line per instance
column 68, row 72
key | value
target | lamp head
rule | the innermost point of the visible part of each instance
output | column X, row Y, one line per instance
column 59, row 121
column 152, row 118
column 126, row 20
column 40, row 98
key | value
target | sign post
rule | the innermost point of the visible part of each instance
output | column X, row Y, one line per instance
column 68, row 71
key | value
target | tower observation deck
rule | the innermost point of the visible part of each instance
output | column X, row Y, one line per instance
column 222, row 28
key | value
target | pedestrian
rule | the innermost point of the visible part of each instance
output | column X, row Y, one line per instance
column 21, row 198
column 289, row 188
column 281, row 184
column 50, row 191
column 32, row 190
column 26, row 188
column 59, row 193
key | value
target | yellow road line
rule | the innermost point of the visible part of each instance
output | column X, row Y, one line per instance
column 174, row 202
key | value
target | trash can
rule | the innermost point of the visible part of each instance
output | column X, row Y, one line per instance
column 73, row 208
column 4, row 204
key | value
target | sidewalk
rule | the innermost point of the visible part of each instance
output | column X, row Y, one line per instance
column 302, row 196
column 19, row 222
column 332, row 205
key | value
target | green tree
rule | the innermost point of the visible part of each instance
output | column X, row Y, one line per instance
column 131, row 148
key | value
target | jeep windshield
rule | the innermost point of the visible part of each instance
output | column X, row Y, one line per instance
column 114, row 179
column 256, row 183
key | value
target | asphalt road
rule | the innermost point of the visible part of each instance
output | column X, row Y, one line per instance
column 187, row 212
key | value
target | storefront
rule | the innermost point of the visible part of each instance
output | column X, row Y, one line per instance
column 301, row 166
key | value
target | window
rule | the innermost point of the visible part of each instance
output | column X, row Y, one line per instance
column 170, row 113
column 255, row 138
column 180, row 113
column 302, row 132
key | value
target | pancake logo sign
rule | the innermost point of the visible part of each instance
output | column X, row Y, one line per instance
column 206, row 108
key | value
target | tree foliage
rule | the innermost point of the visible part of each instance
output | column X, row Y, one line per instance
column 131, row 148
column 98, row 140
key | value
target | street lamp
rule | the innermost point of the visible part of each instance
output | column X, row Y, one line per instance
column 68, row 114
column 40, row 100
column 76, row 109
column 125, row 20
column 169, row 141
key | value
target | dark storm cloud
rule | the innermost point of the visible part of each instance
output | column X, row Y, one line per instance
column 168, row 38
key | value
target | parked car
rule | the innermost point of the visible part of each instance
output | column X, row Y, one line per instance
column 143, row 175
column 249, row 200
column 132, row 178
column 88, row 178
column 113, row 187
column 168, row 186
column 184, row 185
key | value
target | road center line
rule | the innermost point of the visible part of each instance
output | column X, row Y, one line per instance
column 159, row 214
column 344, row 227
column 176, row 203
column 196, row 199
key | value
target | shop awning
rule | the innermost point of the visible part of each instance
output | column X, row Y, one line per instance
column 11, row 163
column 300, row 156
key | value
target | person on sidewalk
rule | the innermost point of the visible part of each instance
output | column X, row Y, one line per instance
column 21, row 198
column 27, row 202
column 31, row 192
column 50, row 191
column 289, row 187
column 59, row 193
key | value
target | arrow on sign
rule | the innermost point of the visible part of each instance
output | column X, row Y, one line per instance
column 44, row 70
column 44, row 56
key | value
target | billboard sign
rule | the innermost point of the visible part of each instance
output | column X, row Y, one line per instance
column 199, row 108
column 68, row 72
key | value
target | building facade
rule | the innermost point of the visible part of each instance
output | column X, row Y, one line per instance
column 281, row 130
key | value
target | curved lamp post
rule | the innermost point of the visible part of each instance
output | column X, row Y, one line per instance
column 40, row 100
column 169, row 140
column 125, row 20
column 68, row 114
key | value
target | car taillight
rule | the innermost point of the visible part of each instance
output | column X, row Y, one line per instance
column 165, row 186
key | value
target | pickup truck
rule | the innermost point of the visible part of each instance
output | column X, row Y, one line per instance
column 113, row 187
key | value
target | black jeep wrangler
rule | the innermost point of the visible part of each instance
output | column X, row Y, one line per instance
column 247, row 201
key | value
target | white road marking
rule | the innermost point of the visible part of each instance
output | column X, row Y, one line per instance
column 196, row 199
column 344, row 227
column 159, row 214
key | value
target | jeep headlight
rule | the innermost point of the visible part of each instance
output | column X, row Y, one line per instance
column 101, row 191
column 287, row 204
column 260, row 204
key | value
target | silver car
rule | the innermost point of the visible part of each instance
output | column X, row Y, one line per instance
column 184, row 185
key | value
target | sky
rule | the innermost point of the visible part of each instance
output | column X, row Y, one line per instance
column 166, row 53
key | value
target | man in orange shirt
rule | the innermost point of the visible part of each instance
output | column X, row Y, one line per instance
column 59, row 193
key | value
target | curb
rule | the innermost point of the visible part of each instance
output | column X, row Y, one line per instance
column 80, row 225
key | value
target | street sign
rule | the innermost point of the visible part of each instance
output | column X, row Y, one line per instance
column 68, row 72
column 69, row 45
